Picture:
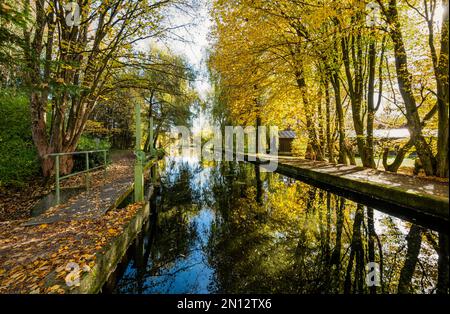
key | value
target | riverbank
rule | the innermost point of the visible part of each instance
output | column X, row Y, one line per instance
column 73, row 247
column 47, row 258
column 425, row 198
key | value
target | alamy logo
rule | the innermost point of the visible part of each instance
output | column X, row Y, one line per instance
column 373, row 12
column 232, row 145
column 373, row 274
column 73, row 277
column 72, row 14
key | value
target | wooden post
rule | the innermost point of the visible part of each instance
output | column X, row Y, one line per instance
column 87, row 171
column 140, row 156
column 58, row 198
column 151, row 135
column 105, row 164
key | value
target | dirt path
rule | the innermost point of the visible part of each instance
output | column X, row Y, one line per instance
column 38, row 258
column 17, row 203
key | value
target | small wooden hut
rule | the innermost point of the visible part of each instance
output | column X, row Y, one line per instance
column 286, row 137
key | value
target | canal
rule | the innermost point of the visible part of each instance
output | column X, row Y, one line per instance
column 229, row 228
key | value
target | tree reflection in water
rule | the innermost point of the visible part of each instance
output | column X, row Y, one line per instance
column 229, row 228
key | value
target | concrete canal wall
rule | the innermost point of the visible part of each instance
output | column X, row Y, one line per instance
column 422, row 197
column 110, row 257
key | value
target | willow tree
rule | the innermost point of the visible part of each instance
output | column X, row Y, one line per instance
column 71, row 53
column 169, row 94
column 162, row 82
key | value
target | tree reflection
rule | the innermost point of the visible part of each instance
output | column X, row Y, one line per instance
column 310, row 241
column 170, row 238
column 443, row 268
column 273, row 234
column 414, row 241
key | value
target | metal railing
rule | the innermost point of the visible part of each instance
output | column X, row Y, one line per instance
column 58, row 178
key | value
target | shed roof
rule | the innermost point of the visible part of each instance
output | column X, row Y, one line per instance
column 287, row 134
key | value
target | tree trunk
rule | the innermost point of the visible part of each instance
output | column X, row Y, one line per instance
column 443, row 265
column 39, row 133
column 329, row 142
column 258, row 184
column 150, row 114
column 404, row 79
column 356, row 254
column 353, row 46
column 371, row 242
column 313, row 150
column 371, row 102
column 336, row 255
column 443, row 97
column 258, row 139
column 321, row 130
column 395, row 165
column 343, row 153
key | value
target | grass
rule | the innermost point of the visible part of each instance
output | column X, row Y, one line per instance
column 407, row 162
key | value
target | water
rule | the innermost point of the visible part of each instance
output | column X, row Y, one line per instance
column 229, row 228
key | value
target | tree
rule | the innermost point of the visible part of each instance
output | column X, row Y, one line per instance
column 12, row 19
column 307, row 46
column 169, row 94
column 70, row 66
column 161, row 82
column 405, row 83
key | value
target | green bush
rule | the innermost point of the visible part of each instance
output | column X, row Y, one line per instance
column 18, row 156
column 88, row 143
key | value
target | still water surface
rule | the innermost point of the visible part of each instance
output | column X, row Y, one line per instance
column 229, row 228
